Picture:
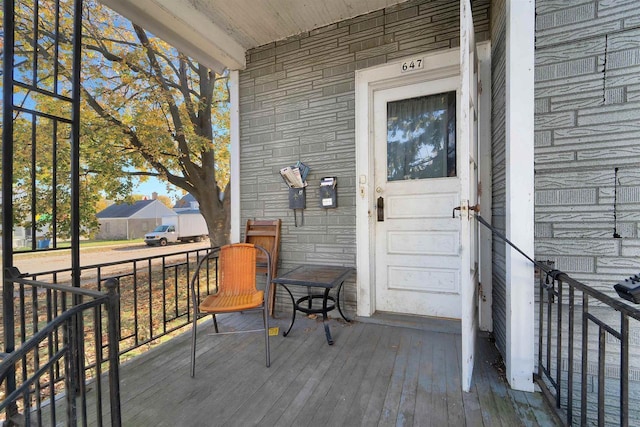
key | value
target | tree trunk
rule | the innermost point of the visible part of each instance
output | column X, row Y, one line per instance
column 216, row 214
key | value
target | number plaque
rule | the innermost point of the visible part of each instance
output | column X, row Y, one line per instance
column 412, row 65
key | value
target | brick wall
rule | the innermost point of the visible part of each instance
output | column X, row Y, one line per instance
column 297, row 102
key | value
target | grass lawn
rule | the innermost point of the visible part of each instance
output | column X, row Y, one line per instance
column 90, row 244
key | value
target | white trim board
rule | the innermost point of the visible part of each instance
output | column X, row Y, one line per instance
column 234, row 82
column 519, row 158
column 485, row 196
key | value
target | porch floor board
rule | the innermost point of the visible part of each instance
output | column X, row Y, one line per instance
column 374, row 374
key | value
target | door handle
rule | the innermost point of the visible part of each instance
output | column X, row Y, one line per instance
column 380, row 209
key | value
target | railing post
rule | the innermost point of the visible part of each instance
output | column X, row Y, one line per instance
column 559, row 345
column 624, row 370
column 8, row 335
column 114, row 352
column 540, row 319
column 71, row 370
column 585, row 359
column 570, row 353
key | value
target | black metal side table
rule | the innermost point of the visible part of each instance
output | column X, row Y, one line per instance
column 316, row 276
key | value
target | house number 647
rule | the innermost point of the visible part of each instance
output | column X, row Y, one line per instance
column 414, row 64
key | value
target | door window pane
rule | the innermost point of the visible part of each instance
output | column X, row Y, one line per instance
column 421, row 138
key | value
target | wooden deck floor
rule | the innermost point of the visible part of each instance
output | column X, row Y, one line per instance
column 374, row 375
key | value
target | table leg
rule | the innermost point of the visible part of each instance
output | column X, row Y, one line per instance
column 325, row 319
column 293, row 315
column 338, row 303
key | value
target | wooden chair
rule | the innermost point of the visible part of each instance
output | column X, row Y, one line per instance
column 236, row 289
column 265, row 233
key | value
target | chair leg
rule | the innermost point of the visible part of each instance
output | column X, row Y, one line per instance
column 266, row 333
column 272, row 297
column 193, row 345
column 215, row 323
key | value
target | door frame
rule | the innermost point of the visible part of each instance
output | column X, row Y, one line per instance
column 436, row 65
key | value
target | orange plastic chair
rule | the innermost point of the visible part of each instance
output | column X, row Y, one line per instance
column 236, row 289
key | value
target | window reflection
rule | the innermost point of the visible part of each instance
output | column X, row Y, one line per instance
column 421, row 141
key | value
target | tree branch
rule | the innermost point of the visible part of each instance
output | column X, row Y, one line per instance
column 130, row 133
column 180, row 136
column 184, row 87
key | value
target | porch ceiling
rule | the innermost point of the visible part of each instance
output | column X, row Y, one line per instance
column 219, row 32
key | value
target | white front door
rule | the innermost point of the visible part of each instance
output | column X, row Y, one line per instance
column 468, row 147
column 417, row 185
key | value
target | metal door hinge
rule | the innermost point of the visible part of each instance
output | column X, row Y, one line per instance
column 465, row 208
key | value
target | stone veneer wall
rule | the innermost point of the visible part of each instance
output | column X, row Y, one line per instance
column 587, row 126
column 587, row 157
column 587, row 90
column 498, row 147
column 297, row 102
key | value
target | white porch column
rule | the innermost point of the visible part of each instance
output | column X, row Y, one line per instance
column 520, row 192
column 234, row 82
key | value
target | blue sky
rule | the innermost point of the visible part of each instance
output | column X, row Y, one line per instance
column 153, row 184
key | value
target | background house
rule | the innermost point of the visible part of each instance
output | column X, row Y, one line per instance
column 131, row 221
column 186, row 202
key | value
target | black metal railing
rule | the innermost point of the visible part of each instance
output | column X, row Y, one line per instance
column 153, row 303
column 583, row 348
column 51, row 381
column 587, row 370
column 154, row 300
